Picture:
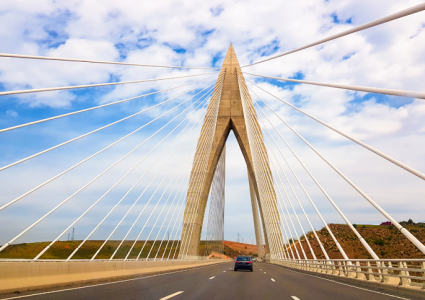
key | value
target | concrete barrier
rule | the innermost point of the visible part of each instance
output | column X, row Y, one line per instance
column 25, row 276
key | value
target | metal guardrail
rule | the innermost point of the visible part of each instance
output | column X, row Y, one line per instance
column 404, row 272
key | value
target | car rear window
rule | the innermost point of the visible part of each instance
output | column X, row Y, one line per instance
column 243, row 258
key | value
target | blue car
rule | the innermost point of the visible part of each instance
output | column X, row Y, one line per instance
column 243, row 262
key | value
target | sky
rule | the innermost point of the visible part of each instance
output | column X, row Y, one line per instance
column 197, row 34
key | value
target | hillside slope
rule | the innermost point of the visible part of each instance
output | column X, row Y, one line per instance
column 386, row 241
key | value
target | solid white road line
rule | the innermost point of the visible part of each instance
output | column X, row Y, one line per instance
column 295, row 298
column 212, row 277
column 272, row 279
column 171, row 296
column 356, row 287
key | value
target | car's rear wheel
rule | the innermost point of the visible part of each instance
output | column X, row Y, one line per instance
column 251, row 270
column 235, row 269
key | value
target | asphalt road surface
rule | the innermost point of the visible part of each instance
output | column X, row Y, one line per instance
column 217, row 282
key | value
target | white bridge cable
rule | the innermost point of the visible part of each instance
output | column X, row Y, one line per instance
column 213, row 210
column 178, row 205
column 387, row 157
column 397, row 15
column 403, row 230
column 311, row 175
column 203, row 147
column 95, row 178
column 98, row 129
column 293, row 210
column 9, row 55
column 299, row 182
column 362, row 240
column 296, row 197
column 176, row 221
column 145, row 223
column 211, row 123
column 321, row 188
column 217, row 204
column 93, row 85
column 251, row 115
column 401, row 93
column 258, row 175
column 93, row 155
column 264, row 182
column 176, row 170
column 293, row 192
column 181, row 192
column 280, row 194
column 134, row 223
column 207, row 121
column 99, row 106
column 260, row 169
column 215, row 219
column 110, row 235
column 116, row 205
column 186, row 155
column 98, row 200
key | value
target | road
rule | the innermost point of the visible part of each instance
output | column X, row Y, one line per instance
column 217, row 282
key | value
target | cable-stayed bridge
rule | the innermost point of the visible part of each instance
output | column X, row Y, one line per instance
column 169, row 171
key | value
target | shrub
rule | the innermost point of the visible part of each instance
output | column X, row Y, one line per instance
column 379, row 242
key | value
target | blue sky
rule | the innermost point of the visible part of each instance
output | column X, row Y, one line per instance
column 198, row 34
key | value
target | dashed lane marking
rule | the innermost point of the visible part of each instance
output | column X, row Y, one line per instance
column 272, row 279
column 224, row 271
column 356, row 287
column 264, row 272
column 212, row 277
column 295, row 298
column 171, row 296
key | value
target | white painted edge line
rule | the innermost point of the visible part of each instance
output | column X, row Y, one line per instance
column 106, row 283
column 171, row 296
column 295, row 298
column 356, row 287
column 212, row 277
column 273, row 280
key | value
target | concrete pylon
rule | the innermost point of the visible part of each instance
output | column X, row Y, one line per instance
column 230, row 109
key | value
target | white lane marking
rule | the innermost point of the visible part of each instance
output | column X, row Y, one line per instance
column 212, row 277
column 171, row 296
column 264, row 272
column 295, row 298
column 224, row 271
column 272, row 279
column 344, row 284
column 101, row 284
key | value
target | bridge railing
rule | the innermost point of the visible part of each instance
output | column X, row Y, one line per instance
column 404, row 272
